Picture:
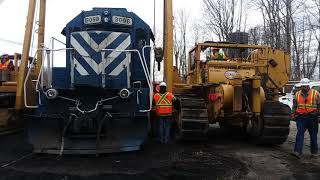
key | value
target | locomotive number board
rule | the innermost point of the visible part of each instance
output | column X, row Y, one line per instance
column 92, row 19
column 122, row 20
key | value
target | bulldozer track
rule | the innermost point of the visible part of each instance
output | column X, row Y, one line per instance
column 276, row 123
column 193, row 117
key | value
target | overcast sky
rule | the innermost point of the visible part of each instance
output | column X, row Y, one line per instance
column 59, row 12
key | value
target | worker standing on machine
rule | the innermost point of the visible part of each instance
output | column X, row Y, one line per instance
column 6, row 64
column 163, row 107
column 305, row 109
column 216, row 54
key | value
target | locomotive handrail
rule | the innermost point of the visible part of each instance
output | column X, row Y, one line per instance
column 26, row 80
column 39, row 75
column 151, row 89
column 145, row 70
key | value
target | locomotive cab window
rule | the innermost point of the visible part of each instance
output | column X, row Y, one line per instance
column 141, row 38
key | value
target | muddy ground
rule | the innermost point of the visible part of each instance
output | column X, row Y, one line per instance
column 220, row 157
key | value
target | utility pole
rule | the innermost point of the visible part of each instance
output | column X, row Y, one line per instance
column 168, row 44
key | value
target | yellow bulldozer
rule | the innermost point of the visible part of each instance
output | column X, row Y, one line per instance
column 236, row 85
column 231, row 83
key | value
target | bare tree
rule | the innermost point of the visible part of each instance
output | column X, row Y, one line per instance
column 271, row 10
column 225, row 16
column 180, row 41
column 255, row 35
column 220, row 17
column 314, row 21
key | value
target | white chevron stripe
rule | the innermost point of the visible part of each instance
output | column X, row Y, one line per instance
column 114, row 54
column 85, row 55
column 98, row 68
column 105, row 43
column 80, row 68
column 121, row 66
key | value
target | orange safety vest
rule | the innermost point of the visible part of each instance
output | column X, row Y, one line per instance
column 4, row 66
column 309, row 104
column 163, row 104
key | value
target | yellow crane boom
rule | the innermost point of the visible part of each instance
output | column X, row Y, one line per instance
column 168, row 44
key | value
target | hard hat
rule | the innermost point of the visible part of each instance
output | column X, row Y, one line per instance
column 304, row 82
column 163, row 84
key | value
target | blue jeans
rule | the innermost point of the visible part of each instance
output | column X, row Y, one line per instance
column 310, row 123
column 164, row 132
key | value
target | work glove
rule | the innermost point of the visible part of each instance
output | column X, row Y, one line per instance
column 292, row 116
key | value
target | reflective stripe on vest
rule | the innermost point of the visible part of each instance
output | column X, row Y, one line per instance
column 309, row 104
column 163, row 104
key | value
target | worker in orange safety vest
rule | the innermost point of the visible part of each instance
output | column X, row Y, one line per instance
column 305, row 109
column 6, row 64
column 163, row 103
column 216, row 54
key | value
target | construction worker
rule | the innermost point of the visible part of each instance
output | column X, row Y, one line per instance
column 6, row 64
column 305, row 108
column 163, row 108
column 216, row 54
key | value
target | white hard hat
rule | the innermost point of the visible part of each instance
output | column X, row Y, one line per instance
column 304, row 82
column 163, row 84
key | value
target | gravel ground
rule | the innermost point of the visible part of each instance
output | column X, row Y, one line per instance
column 220, row 157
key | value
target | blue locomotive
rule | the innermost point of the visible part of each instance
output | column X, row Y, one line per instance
column 99, row 102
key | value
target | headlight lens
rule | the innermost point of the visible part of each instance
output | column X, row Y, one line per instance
column 124, row 93
column 51, row 93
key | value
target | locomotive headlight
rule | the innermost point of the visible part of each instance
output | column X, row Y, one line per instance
column 51, row 93
column 124, row 93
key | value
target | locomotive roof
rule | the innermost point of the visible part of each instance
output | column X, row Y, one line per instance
column 78, row 21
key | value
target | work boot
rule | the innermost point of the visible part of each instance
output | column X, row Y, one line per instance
column 296, row 154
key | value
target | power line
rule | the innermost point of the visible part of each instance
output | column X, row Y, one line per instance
column 10, row 41
column 13, row 42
